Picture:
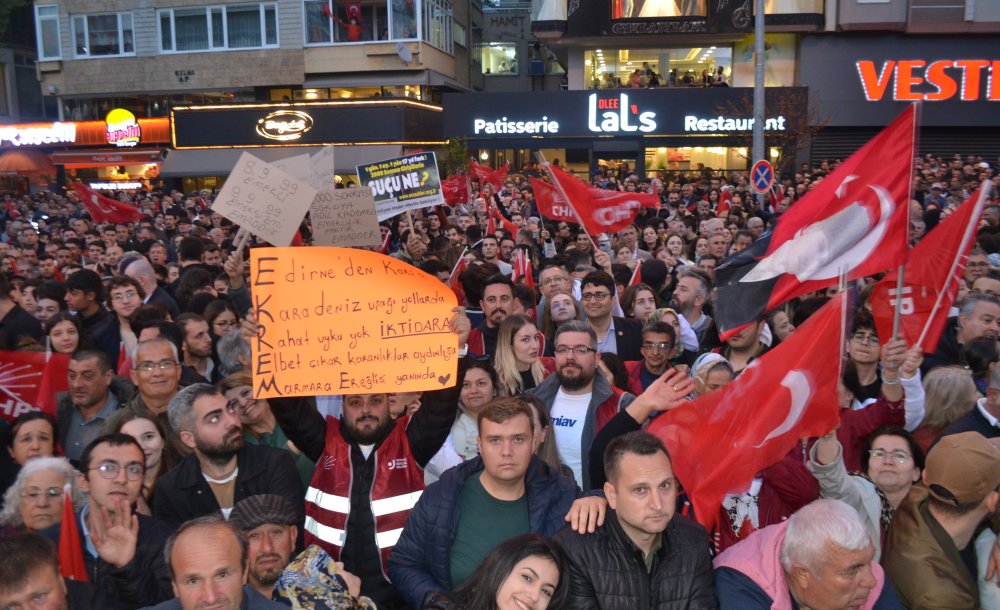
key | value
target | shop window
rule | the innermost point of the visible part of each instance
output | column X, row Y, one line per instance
column 500, row 59
column 380, row 20
column 47, row 31
column 439, row 21
column 795, row 7
column 642, row 9
column 642, row 68
column 311, row 94
column 218, row 28
column 103, row 35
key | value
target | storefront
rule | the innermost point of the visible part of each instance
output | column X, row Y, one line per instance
column 861, row 82
column 208, row 140
column 649, row 129
column 118, row 153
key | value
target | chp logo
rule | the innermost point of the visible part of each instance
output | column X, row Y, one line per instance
column 284, row 125
column 122, row 129
column 617, row 115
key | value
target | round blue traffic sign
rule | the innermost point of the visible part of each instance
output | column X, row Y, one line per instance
column 762, row 176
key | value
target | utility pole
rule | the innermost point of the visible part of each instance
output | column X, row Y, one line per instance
column 758, row 87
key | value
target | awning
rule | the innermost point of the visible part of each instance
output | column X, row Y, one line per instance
column 104, row 158
column 219, row 161
column 14, row 162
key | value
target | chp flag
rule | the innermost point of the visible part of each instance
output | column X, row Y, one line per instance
column 720, row 441
column 854, row 222
column 485, row 174
column 931, row 277
column 29, row 381
column 601, row 210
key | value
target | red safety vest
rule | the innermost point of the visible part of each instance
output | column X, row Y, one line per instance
column 397, row 485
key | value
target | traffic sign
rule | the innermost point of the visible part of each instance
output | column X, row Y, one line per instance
column 762, row 177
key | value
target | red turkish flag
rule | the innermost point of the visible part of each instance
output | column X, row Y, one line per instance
column 496, row 177
column 855, row 221
column 453, row 279
column 105, row 209
column 551, row 203
column 930, row 282
column 722, row 440
column 71, row 563
column 455, row 189
column 30, row 381
column 507, row 225
column 522, row 267
column 636, row 275
column 601, row 210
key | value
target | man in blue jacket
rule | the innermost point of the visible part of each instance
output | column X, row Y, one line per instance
column 505, row 492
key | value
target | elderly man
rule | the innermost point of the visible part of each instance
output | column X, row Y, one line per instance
column 268, row 521
column 94, row 394
column 821, row 557
column 208, row 567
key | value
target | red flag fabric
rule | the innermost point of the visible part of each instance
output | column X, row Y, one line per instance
column 385, row 243
column 722, row 440
column 636, row 274
column 483, row 173
column 328, row 9
column 70, row 548
column 455, row 189
column 522, row 267
column 550, row 201
column 105, row 209
column 931, row 279
column 725, row 203
column 507, row 225
column 854, row 221
column 297, row 240
column 601, row 210
column 453, row 279
column 30, row 381
column 491, row 226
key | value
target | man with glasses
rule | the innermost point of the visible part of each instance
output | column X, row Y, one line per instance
column 156, row 374
column 658, row 339
column 122, row 550
column 552, row 278
column 622, row 336
column 94, row 394
column 977, row 266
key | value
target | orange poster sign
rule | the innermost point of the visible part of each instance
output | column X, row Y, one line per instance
column 345, row 321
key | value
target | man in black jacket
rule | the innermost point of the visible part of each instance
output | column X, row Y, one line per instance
column 85, row 296
column 122, row 550
column 621, row 336
column 643, row 557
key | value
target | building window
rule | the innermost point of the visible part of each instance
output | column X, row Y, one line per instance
column 500, row 59
column 380, row 20
column 47, row 31
column 657, row 8
column 461, row 36
column 103, row 35
column 679, row 67
column 218, row 28
column 439, row 23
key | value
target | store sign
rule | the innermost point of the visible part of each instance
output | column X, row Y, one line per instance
column 116, row 186
column 122, row 130
column 507, row 127
column 38, row 135
column 694, row 124
column 284, row 125
column 914, row 80
column 617, row 115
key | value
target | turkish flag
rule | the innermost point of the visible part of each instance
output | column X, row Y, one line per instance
column 601, row 210
column 105, row 209
column 455, row 189
column 71, row 563
column 507, row 225
column 30, row 381
column 453, row 279
column 636, row 274
column 551, row 203
column 725, row 203
column 496, row 177
column 854, row 221
column 931, row 279
column 720, row 441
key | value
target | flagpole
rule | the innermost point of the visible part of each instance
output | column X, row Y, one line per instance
column 548, row 169
column 909, row 197
column 241, row 244
column 899, row 299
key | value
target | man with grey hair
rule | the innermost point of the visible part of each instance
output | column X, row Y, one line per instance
column 139, row 268
column 222, row 469
column 820, row 557
column 689, row 299
column 234, row 353
column 978, row 316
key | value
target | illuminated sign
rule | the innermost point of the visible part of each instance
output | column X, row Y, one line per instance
column 504, row 126
column 727, row 124
column 122, row 129
column 37, row 135
column 912, row 80
column 617, row 115
column 284, row 125
column 116, row 186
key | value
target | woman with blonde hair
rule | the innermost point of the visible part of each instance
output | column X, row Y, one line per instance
column 950, row 393
column 518, row 359
column 560, row 307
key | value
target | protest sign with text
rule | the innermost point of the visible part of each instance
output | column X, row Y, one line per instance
column 345, row 217
column 264, row 200
column 322, row 169
column 403, row 183
column 343, row 321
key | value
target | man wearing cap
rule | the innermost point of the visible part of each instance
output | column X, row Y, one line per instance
column 930, row 556
column 269, row 523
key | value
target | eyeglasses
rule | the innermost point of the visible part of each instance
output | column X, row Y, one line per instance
column 579, row 350
column 147, row 367
column 862, row 338
column 552, row 281
column 977, row 265
column 124, row 296
column 35, row 494
column 662, row 346
column 110, row 470
column 898, row 455
column 225, row 323
column 595, row 296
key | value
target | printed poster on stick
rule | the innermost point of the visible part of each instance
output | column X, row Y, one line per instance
column 345, row 321
column 403, row 183
column 264, row 200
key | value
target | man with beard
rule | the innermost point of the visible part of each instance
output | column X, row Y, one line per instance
column 690, row 297
column 221, row 470
column 498, row 298
column 197, row 345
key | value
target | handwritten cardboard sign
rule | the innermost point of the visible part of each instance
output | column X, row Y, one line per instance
column 264, row 200
column 297, row 166
column 345, row 217
column 322, row 169
column 343, row 321
column 403, row 183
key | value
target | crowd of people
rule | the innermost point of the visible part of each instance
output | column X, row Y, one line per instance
column 530, row 484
